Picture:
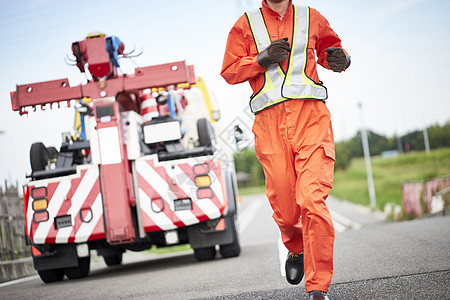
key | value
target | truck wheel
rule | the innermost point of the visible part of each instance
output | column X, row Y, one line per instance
column 207, row 253
column 38, row 157
column 81, row 271
column 112, row 260
column 205, row 132
column 48, row 276
column 233, row 249
column 52, row 153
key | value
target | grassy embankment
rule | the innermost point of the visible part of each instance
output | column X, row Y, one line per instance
column 388, row 176
column 388, row 173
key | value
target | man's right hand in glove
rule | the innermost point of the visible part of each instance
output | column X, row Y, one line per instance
column 277, row 52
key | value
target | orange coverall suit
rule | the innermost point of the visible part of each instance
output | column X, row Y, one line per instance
column 293, row 142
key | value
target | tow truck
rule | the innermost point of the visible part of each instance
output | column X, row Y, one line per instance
column 134, row 174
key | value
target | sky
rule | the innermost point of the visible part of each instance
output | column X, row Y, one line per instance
column 399, row 49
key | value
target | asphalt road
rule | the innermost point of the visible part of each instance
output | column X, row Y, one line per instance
column 373, row 260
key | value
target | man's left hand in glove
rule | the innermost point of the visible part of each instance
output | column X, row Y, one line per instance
column 337, row 59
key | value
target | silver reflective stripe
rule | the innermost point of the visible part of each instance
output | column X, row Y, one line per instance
column 304, row 92
column 259, row 29
column 296, row 84
column 267, row 99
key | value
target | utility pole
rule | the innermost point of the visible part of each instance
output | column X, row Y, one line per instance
column 399, row 144
column 425, row 137
column 365, row 144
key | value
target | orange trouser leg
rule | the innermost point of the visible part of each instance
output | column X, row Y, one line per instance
column 294, row 144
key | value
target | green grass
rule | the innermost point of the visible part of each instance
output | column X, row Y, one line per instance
column 170, row 249
column 252, row 190
column 389, row 174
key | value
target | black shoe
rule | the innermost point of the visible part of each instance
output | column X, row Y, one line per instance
column 318, row 295
column 294, row 268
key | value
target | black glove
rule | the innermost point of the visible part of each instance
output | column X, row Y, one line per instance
column 337, row 60
column 277, row 52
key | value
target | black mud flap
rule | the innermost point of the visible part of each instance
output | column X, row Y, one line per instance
column 206, row 235
column 60, row 256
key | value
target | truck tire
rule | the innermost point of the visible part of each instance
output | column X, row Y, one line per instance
column 48, row 276
column 233, row 249
column 38, row 157
column 81, row 271
column 207, row 253
column 205, row 132
column 52, row 153
column 230, row 250
column 112, row 260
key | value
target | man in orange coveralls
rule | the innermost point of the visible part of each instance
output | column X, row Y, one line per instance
column 273, row 48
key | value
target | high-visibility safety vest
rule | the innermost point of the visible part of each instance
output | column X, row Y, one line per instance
column 294, row 84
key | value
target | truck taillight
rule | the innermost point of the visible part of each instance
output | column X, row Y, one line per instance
column 204, row 193
column 40, row 216
column 39, row 192
column 201, row 169
column 203, row 181
column 40, row 204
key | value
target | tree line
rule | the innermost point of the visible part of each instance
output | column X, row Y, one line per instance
column 438, row 137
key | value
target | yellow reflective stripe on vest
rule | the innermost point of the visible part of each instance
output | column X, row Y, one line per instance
column 295, row 84
column 272, row 78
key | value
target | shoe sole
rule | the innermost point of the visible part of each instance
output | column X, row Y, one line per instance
column 294, row 282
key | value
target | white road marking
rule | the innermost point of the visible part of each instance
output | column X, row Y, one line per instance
column 247, row 216
column 338, row 227
column 344, row 221
column 282, row 254
column 19, row 280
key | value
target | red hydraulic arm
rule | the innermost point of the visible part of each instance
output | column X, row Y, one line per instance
column 56, row 91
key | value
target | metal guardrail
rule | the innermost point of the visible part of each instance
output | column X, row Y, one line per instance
column 13, row 242
column 426, row 197
column 443, row 192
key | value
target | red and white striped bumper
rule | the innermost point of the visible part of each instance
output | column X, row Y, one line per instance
column 77, row 198
column 161, row 184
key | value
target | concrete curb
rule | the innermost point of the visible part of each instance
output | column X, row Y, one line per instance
column 14, row 269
